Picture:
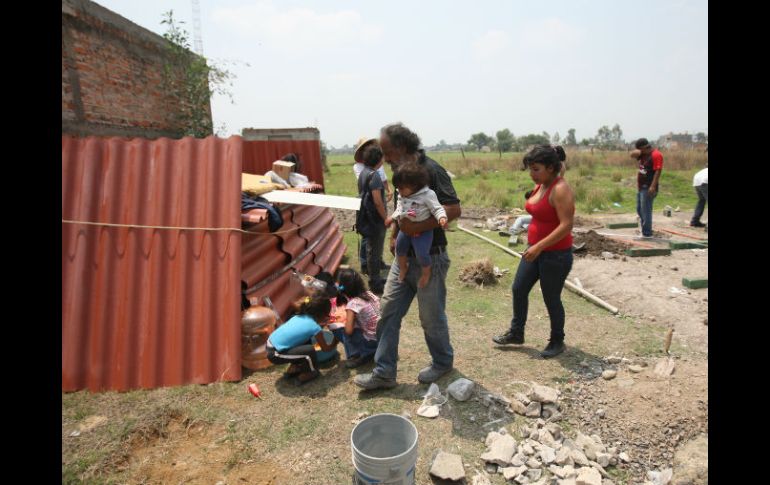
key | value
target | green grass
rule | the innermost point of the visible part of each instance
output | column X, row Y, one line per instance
column 599, row 180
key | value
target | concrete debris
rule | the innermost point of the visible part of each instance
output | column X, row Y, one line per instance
column 665, row 367
column 662, row 477
column 520, row 396
column 533, row 410
column 609, row 374
column 501, row 451
column 544, row 394
column 480, row 478
column 588, row 476
column 512, row 472
column 448, row 466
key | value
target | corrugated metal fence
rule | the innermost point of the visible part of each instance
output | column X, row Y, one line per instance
column 150, row 307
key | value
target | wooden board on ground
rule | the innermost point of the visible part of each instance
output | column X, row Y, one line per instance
column 695, row 283
column 688, row 245
column 644, row 252
column 622, row 225
column 319, row 200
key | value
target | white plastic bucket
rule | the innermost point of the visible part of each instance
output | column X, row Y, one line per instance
column 384, row 450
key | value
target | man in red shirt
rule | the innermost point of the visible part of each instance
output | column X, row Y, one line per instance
column 650, row 166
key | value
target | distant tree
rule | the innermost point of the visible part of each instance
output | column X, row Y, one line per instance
column 527, row 140
column 617, row 134
column 701, row 137
column 587, row 141
column 555, row 139
column 481, row 139
column 547, row 137
column 570, row 139
column 604, row 137
column 442, row 145
column 505, row 140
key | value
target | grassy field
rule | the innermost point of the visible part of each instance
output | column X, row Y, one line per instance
column 600, row 180
column 204, row 434
column 219, row 432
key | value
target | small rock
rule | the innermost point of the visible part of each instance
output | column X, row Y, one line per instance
column 501, row 451
column 491, row 468
column 520, row 396
column 662, row 477
column 557, row 471
column 481, row 479
column 588, row 476
column 665, row 367
column 535, row 474
column 614, row 359
column 533, row 463
column 461, row 389
column 512, row 472
column 220, row 483
column 579, row 458
column 448, row 466
column 551, row 412
column 307, row 455
column 548, row 455
column 554, row 429
column 600, row 469
column 522, row 479
column 569, row 444
column 544, row 394
column 562, row 455
column 603, row 459
column 491, row 437
column 533, row 410
column 608, row 255
column 528, row 450
column 635, row 368
column 75, row 433
column 362, row 415
column 624, row 457
column 600, row 413
column 609, row 374
column 518, row 407
column 546, row 438
column 518, row 459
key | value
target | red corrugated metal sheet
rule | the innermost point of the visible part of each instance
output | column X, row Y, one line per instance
column 144, row 308
column 316, row 246
column 259, row 155
column 151, row 307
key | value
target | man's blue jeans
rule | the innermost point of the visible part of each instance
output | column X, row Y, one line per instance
column 644, row 209
column 551, row 268
column 395, row 303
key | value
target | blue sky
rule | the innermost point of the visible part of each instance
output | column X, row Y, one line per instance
column 448, row 69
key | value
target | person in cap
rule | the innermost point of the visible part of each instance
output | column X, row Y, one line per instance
column 358, row 167
column 650, row 165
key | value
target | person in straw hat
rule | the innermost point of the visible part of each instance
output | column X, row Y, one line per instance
column 358, row 167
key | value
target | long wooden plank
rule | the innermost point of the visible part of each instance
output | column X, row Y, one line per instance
column 318, row 200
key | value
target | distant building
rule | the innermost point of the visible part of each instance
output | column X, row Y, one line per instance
column 672, row 141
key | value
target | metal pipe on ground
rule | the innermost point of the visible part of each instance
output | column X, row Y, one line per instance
column 571, row 286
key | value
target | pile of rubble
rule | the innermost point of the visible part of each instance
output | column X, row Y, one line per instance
column 544, row 454
column 480, row 272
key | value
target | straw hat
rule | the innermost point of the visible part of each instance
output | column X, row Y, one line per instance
column 363, row 142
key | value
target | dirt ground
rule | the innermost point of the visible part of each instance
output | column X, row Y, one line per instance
column 219, row 433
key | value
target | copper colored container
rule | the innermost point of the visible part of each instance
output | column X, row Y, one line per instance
column 257, row 323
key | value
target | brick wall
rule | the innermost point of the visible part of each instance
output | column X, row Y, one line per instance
column 112, row 76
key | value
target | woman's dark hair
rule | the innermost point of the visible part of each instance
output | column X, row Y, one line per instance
column 401, row 137
column 547, row 155
column 411, row 174
column 316, row 307
column 331, row 290
column 371, row 155
column 351, row 284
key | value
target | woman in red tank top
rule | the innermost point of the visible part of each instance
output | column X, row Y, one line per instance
column 549, row 255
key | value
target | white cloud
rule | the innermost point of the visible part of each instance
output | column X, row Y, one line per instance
column 491, row 43
column 297, row 29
